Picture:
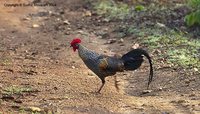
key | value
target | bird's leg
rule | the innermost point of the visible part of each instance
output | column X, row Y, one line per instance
column 103, row 82
column 116, row 84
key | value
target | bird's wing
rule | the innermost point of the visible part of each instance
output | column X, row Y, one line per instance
column 111, row 64
column 103, row 63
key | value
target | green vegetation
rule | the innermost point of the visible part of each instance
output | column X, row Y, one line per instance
column 5, row 62
column 139, row 8
column 176, row 48
column 28, row 111
column 194, row 17
column 111, row 9
column 22, row 111
column 179, row 50
column 16, row 90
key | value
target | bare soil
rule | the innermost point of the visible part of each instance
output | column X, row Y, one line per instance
column 35, row 53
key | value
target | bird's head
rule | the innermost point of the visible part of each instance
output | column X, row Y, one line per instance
column 74, row 43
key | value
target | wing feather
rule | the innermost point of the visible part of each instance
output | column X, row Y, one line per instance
column 111, row 64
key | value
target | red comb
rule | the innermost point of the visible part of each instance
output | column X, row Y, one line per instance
column 75, row 41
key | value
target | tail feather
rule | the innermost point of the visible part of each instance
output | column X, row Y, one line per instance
column 133, row 60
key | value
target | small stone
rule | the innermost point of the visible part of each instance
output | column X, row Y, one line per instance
column 160, row 25
column 146, row 91
column 106, row 29
column 58, row 19
column 81, row 32
column 66, row 97
column 121, row 40
column 66, row 22
column 106, row 20
column 35, row 26
column 68, row 28
column 187, row 81
column 157, row 51
column 196, row 70
column 73, row 67
column 50, row 12
column 110, row 41
column 132, row 86
column 90, row 74
column 88, row 13
column 160, row 88
column 135, row 46
column 26, row 18
column 67, row 33
column 34, row 109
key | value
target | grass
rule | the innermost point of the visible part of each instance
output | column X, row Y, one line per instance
column 23, row 111
column 177, row 48
column 5, row 62
column 111, row 9
column 11, row 90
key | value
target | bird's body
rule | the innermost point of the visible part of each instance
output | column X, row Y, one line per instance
column 101, row 65
column 104, row 66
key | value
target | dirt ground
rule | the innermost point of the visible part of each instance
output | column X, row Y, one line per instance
column 35, row 53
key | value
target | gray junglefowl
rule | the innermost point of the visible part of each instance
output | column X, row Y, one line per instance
column 104, row 66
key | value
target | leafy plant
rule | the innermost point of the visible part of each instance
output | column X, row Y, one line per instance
column 194, row 3
column 194, row 17
column 139, row 8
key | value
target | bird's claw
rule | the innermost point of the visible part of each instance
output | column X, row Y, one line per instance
column 97, row 92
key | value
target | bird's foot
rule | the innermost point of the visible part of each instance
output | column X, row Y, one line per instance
column 146, row 91
column 97, row 92
column 116, row 83
column 117, row 86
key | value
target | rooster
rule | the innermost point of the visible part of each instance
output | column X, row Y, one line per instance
column 104, row 66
